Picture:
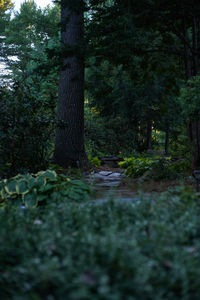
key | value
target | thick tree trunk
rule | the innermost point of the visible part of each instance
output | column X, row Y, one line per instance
column 149, row 135
column 69, row 143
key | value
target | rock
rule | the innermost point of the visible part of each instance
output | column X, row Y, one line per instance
column 109, row 183
column 105, row 173
column 115, row 175
column 110, row 161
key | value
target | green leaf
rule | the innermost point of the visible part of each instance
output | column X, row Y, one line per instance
column 10, row 187
column 30, row 200
column 48, row 174
column 22, row 187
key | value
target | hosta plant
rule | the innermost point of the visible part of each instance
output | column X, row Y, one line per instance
column 31, row 190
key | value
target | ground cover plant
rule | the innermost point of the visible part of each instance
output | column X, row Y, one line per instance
column 147, row 249
column 32, row 190
column 156, row 168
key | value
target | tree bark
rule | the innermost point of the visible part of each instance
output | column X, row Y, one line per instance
column 167, row 141
column 194, row 125
column 149, row 135
column 188, row 65
column 195, row 45
column 69, row 142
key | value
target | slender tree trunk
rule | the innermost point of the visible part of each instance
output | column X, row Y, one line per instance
column 194, row 126
column 149, row 135
column 167, row 141
column 188, row 65
column 195, row 45
column 196, row 143
column 69, row 143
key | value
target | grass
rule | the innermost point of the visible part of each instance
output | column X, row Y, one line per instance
column 112, row 251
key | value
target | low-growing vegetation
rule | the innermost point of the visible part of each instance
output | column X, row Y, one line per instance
column 146, row 249
column 84, row 85
column 31, row 190
column 156, row 168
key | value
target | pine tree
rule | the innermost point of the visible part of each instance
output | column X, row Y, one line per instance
column 69, row 143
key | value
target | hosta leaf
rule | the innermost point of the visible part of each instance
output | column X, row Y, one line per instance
column 22, row 187
column 10, row 187
column 30, row 200
column 41, row 181
column 48, row 174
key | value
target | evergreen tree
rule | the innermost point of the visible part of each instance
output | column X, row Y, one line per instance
column 69, row 143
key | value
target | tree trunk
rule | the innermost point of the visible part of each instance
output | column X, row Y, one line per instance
column 195, row 45
column 167, row 141
column 149, row 135
column 188, row 65
column 196, row 144
column 194, row 126
column 69, row 143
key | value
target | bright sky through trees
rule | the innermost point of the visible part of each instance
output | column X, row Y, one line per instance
column 41, row 3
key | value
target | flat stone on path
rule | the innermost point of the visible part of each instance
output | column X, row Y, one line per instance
column 105, row 173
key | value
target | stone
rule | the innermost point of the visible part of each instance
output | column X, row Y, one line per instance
column 115, row 175
column 105, row 173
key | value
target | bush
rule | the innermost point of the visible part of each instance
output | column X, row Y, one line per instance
column 156, row 168
column 166, row 169
column 95, row 161
column 147, row 249
column 31, row 190
column 27, row 123
column 136, row 167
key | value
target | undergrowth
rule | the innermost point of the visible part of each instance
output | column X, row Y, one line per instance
column 147, row 249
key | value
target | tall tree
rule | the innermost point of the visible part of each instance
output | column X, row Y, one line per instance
column 69, row 143
column 5, row 5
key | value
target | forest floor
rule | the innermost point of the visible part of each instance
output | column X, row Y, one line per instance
column 148, row 186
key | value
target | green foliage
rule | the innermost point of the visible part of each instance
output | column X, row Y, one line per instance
column 28, row 96
column 157, row 168
column 95, row 161
column 31, row 190
column 190, row 98
column 147, row 249
column 161, row 170
column 180, row 145
column 166, row 169
column 27, row 123
column 107, row 135
column 5, row 5
column 136, row 167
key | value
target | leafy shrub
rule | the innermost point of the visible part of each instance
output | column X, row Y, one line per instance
column 161, row 170
column 27, row 123
column 156, row 168
column 136, row 167
column 31, row 190
column 118, row 250
column 95, row 161
column 182, row 166
column 165, row 169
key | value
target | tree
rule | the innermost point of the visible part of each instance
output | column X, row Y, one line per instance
column 5, row 5
column 69, row 142
column 28, row 106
